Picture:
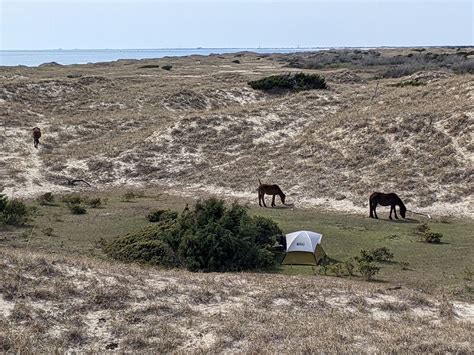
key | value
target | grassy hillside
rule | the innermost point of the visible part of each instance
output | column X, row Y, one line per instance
column 201, row 127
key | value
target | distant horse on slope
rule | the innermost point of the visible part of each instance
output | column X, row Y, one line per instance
column 269, row 190
column 391, row 199
column 36, row 136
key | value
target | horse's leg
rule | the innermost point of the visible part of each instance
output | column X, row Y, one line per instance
column 375, row 211
column 259, row 199
column 391, row 208
column 371, row 207
column 273, row 201
column 395, row 211
column 263, row 200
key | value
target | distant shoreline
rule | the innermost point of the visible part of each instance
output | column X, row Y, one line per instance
column 34, row 58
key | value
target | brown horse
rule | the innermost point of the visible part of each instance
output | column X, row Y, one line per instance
column 36, row 136
column 269, row 190
column 391, row 199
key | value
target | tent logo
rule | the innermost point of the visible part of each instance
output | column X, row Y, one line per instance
column 300, row 244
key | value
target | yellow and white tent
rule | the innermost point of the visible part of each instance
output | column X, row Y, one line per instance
column 303, row 248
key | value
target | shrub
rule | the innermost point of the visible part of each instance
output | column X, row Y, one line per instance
column 466, row 67
column 149, row 66
column 402, row 70
column 382, row 254
column 428, row 236
column 49, row 231
column 291, row 82
column 72, row 199
column 130, row 195
column 367, row 270
column 432, row 237
column 13, row 212
column 337, row 269
column 211, row 237
column 94, row 202
column 468, row 273
column 77, row 209
column 46, row 199
column 236, row 61
column 349, row 265
column 421, row 229
column 408, row 83
column 3, row 202
column 167, row 67
column 161, row 215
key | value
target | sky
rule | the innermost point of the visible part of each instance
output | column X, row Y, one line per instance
column 114, row 24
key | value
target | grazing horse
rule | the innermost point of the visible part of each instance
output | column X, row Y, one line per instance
column 391, row 199
column 36, row 136
column 269, row 190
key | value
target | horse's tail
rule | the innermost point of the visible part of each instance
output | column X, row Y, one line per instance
column 259, row 182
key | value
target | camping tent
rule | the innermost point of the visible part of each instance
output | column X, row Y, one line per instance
column 303, row 248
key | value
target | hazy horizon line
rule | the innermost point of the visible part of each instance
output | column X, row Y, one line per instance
column 187, row 48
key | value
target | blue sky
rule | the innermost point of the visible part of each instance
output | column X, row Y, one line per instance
column 179, row 24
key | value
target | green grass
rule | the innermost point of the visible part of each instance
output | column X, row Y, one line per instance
column 431, row 266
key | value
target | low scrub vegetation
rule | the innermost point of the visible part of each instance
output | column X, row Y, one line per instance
column 46, row 199
column 13, row 212
column 162, row 215
column 289, row 82
column 398, row 65
column 379, row 255
column 77, row 209
column 363, row 264
column 408, row 83
column 424, row 232
column 210, row 237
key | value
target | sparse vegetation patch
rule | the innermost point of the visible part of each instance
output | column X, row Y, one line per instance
column 13, row 212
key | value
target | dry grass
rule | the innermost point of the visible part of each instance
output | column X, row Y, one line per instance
column 55, row 303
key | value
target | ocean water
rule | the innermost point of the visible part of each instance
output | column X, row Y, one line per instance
column 33, row 58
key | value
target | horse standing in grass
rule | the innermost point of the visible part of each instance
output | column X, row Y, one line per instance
column 36, row 136
column 391, row 199
column 269, row 190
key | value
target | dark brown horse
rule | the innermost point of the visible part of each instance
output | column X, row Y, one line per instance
column 36, row 136
column 269, row 190
column 391, row 199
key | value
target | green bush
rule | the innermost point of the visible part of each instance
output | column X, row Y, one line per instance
column 367, row 270
column 337, row 269
column 432, row 237
column 162, row 215
column 423, row 231
column 13, row 212
column 380, row 255
column 291, row 82
column 94, row 202
column 167, row 67
column 349, row 265
column 211, row 237
column 3, row 202
column 77, row 209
